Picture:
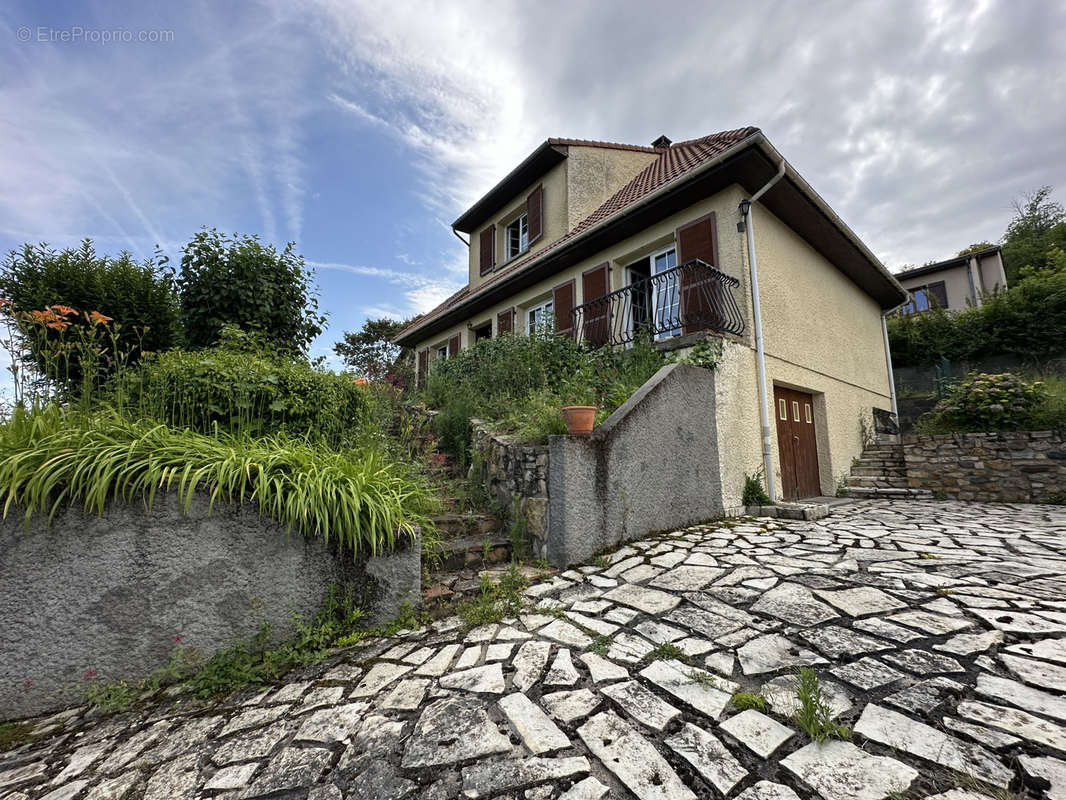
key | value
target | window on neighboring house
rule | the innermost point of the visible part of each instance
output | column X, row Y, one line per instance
column 517, row 237
column 539, row 316
column 923, row 298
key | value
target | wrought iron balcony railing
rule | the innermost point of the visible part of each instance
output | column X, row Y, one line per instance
column 692, row 297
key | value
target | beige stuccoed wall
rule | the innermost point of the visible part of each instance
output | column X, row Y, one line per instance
column 596, row 173
column 822, row 334
column 555, row 221
column 992, row 274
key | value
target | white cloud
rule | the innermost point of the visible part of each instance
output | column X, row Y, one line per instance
column 422, row 292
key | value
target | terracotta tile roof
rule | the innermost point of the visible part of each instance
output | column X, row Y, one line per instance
column 674, row 162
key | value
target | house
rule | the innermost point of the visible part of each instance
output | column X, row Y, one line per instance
column 955, row 284
column 599, row 239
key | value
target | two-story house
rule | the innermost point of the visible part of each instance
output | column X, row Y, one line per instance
column 599, row 239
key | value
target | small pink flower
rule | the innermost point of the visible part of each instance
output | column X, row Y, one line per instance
column 90, row 674
column 27, row 685
column 177, row 639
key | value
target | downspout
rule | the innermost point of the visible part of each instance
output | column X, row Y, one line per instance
column 888, row 358
column 760, row 355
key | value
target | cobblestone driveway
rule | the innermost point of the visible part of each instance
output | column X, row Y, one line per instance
column 935, row 629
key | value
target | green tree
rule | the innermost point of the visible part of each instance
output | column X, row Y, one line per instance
column 370, row 351
column 138, row 296
column 238, row 280
column 976, row 247
column 1039, row 224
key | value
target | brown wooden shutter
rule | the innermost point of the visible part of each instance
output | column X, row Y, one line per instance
column 487, row 251
column 700, row 295
column 505, row 321
column 563, row 308
column 596, row 325
column 423, row 365
column 938, row 292
column 535, row 214
column 453, row 345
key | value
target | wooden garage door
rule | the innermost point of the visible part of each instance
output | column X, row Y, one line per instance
column 796, row 443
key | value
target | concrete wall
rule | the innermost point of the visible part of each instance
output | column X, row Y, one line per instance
column 652, row 465
column 110, row 593
column 1015, row 467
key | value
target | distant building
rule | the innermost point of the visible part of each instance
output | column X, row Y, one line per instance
column 955, row 284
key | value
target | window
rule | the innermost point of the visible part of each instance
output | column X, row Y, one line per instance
column 517, row 237
column 539, row 316
column 933, row 295
column 484, row 332
column 782, row 409
column 666, row 299
column 442, row 353
column 807, row 412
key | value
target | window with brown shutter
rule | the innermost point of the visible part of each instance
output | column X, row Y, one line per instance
column 595, row 284
column 938, row 291
column 505, row 321
column 453, row 345
column 535, row 214
column 423, row 365
column 699, row 294
column 487, row 250
column 563, row 308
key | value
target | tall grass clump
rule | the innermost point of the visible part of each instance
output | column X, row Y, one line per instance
column 51, row 457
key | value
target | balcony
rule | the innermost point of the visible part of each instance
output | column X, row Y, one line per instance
column 689, row 298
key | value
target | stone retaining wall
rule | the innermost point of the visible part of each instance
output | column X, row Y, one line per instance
column 512, row 471
column 1015, row 467
column 108, row 595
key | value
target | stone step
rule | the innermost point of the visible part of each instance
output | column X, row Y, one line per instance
column 875, row 492
column 453, row 526
column 895, row 472
column 883, row 451
column 883, row 465
column 884, row 481
column 472, row 552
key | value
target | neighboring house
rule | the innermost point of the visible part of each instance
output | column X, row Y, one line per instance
column 955, row 284
column 599, row 239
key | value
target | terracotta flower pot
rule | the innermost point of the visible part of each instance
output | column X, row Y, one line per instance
column 579, row 419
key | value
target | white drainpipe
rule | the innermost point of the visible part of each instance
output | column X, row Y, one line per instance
column 888, row 358
column 760, row 356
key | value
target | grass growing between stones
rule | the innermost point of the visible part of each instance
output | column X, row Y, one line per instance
column 743, row 701
column 600, row 645
column 494, row 601
column 814, row 716
column 668, row 652
column 13, row 734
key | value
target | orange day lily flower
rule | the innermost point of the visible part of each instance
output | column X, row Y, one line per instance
column 63, row 310
column 99, row 319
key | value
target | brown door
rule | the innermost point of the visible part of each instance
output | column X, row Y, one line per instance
column 796, row 443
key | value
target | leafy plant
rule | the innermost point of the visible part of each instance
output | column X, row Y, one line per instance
column 754, row 494
column 237, row 279
column 495, row 600
column 140, row 297
column 600, row 645
column 985, row 402
column 814, row 716
column 239, row 386
column 665, row 651
column 50, row 457
column 742, row 701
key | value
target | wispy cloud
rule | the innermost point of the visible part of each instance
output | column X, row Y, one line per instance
column 422, row 292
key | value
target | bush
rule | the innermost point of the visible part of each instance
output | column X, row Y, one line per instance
column 521, row 383
column 984, row 402
column 50, row 457
column 139, row 297
column 239, row 387
column 237, row 280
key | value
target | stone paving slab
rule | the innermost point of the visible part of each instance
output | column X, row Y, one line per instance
column 937, row 630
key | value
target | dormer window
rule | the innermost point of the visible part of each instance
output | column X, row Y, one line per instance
column 517, row 237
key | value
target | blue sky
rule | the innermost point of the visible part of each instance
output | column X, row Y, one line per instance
column 361, row 130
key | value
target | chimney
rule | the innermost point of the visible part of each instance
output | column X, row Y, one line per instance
column 662, row 142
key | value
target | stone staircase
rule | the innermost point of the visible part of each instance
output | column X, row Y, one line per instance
column 882, row 472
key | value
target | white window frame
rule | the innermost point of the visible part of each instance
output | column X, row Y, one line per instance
column 522, row 221
column 655, row 291
column 546, row 310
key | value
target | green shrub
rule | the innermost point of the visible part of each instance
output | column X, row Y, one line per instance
column 238, row 280
column 453, row 427
column 139, row 297
column 754, row 494
column 984, row 402
column 51, row 457
column 239, row 388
